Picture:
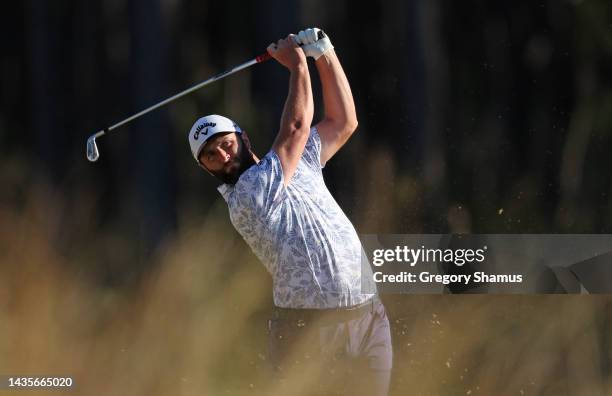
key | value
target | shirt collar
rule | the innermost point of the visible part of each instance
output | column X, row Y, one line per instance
column 225, row 190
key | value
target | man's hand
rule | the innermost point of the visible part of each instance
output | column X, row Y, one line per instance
column 311, row 46
column 287, row 52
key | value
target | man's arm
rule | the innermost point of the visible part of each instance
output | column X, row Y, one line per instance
column 297, row 113
column 340, row 119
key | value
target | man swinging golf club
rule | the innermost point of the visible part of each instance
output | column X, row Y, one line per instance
column 282, row 208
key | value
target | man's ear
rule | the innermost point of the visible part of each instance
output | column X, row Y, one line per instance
column 205, row 168
column 245, row 139
column 201, row 165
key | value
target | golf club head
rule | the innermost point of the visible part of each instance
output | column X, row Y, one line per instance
column 92, row 149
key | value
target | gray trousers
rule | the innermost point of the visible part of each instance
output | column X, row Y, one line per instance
column 343, row 352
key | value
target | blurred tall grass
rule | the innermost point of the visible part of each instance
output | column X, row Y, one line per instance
column 195, row 322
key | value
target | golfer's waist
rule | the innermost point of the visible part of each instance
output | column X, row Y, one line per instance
column 339, row 312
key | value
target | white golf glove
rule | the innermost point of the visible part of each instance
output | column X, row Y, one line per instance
column 311, row 46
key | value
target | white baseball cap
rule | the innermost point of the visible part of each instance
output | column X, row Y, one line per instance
column 206, row 127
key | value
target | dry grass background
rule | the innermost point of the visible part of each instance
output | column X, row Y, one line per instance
column 196, row 324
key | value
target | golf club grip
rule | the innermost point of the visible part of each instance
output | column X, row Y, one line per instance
column 263, row 57
column 266, row 56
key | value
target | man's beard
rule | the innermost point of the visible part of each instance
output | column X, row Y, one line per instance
column 239, row 164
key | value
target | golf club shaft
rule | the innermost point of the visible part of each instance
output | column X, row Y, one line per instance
column 261, row 58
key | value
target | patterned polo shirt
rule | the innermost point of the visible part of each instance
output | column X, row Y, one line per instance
column 299, row 232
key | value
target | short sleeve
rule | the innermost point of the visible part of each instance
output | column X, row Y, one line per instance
column 261, row 187
column 312, row 150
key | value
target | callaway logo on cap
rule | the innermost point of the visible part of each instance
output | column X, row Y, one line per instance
column 196, row 135
column 206, row 127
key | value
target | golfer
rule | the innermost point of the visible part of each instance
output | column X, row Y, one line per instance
column 280, row 205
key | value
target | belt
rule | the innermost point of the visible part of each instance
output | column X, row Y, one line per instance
column 326, row 315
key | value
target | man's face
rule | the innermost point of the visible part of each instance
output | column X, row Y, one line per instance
column 226, row 156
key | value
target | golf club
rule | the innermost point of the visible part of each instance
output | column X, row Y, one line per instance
column 92, row 148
